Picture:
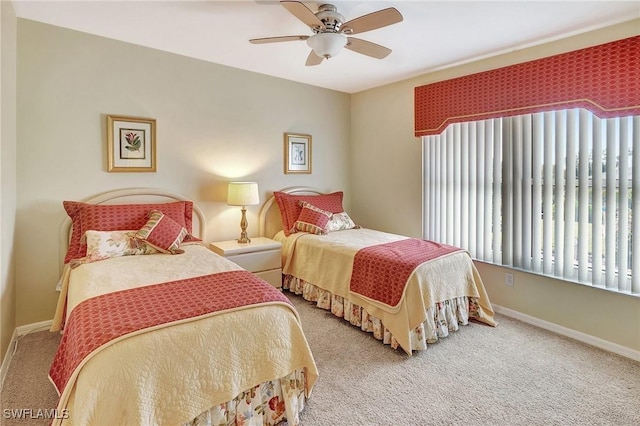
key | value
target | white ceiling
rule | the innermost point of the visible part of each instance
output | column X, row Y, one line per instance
column 433, row 34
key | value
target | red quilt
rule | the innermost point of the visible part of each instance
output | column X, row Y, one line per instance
column 381, row 272
column 97, row 321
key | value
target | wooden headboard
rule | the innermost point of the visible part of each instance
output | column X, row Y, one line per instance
column 270, row 220
column 131, row 196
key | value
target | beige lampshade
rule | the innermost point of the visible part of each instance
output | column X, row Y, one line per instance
column 243, row 194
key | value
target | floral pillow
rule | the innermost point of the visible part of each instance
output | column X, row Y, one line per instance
column 311, row 219
column 162, row 233
column 339, row 222
column 107, row 244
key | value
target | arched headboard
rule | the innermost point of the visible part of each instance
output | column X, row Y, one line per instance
column 270, row 220
column 131, row 196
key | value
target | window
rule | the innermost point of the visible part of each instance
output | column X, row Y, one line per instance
column 549, row 192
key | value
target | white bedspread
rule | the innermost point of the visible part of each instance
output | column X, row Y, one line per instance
column 172, row 374
column 327, row 262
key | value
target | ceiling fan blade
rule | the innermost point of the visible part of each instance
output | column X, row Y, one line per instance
column 303, row 13
column 372, row 21
column 313, row 59
column 367, row 48
column 278, row 39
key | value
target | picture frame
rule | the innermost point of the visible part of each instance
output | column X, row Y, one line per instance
column 297, row 153
column 131, row 144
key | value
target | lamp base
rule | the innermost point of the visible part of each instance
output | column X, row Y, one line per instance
column 244, row 238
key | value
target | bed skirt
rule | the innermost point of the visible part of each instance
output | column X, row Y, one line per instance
column 442, row 318
column 269, row 403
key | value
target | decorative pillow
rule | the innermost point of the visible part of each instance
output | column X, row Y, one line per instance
column 339, row 222
column 290, row 210
column 117, row 217
column 106, row 244
column 162, row 233
column 311, row 219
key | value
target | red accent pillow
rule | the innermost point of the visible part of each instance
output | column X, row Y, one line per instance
column 312, row 219
column 117, row 217
column 290, row 210
column 162, row 233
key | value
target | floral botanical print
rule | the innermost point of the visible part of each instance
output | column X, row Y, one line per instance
column 133, row 141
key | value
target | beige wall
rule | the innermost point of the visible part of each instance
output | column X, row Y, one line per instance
column 386, row 194
column 7, row 173
column 214, row 124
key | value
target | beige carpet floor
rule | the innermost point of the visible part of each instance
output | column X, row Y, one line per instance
column 514, row 374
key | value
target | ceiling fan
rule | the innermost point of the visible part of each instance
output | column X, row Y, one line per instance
column 331, row 31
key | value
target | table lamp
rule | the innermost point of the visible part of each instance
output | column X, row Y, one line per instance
column 243, row 194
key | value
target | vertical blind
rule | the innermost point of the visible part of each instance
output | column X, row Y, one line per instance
column 549, row 192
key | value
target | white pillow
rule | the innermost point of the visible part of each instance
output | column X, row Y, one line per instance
column 106, row 244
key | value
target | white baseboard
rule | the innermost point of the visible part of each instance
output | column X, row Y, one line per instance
column 17, row 334
column 573, row 334
column 36, row 326
column 7, row 357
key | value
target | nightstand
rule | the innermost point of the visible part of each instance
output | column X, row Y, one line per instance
column 262, row 256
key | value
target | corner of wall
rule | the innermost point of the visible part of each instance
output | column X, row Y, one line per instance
column 8, row 144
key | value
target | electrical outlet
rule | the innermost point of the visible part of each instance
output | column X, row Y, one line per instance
column 508, row 280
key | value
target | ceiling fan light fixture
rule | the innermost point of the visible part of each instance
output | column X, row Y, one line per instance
column 327, row 45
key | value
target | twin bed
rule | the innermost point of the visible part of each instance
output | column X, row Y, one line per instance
column 169, row 338
column 184, row 336
column 407, row 292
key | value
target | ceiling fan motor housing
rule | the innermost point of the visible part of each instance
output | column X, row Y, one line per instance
column 330, row 17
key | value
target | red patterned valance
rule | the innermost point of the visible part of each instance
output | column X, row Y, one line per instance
column 604, row 79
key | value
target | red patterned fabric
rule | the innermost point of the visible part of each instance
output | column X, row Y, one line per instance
column 117, row 217
column 604, row 79
column 381, row 272
column 98, row 320
column 162, row 233
column 312, row 219
column 290, row 210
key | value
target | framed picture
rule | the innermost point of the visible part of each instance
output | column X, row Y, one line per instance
column 131, row 144
column 297, row 153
